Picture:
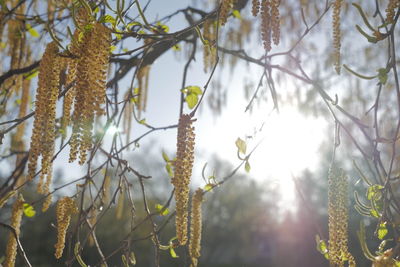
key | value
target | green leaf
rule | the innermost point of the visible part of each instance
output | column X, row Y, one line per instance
column 191, row 100
column 3, row 45
column 107, row 19
column 382, row 230
column 112, row 48
column 321, row 245
column 29, row 211
column 169, row 170
column 142, row 121
column 192, row 90
column 247, row 166
column 162, row 210
column 162, row 27
column 236, row 14
column 31, row 75
column 165, row 157
column 173, row 253
column 32, row 31
column 374, row 213
column 208, row 187
column 382, row 75
column 241, row 145
column 118, row 36
column 176, row 47
column 374, row 192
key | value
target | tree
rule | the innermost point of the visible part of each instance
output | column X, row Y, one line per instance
column 90, row 49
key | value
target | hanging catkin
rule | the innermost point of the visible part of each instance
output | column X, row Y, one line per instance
column 266, row 24
column 391, row 10
column 183, row 171
column 336, row 33
column 16, row 217
column 43, row 133
column 226, row 6
column 65, row 208
column 195, row 227
column 338, row 215
column 255, row 7
column 90, row 88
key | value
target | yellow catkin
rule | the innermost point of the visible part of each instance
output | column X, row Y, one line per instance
column 338, row 215
column 255, row 7
column 143, row 81
column 16, row 217
column 195, row 227
column 209, row 50
column 336, row 33
column 226, row 6
column 72, row 63
column 90, row 88
column 275, row 21
column 266, row 24
column 391, row 10
column 47, row 203
column 43, row 133
column 183, row 171
column 65, row 208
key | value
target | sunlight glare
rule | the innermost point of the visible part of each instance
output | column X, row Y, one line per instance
column 291, row 143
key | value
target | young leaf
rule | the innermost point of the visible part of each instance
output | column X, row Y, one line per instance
column 191, row 100
column 236, row 14
column 247, row 166
column 31, row 75
column 162, row 210
column 173, row 253
column 241, row 145
column 107, row 19
column 194, row 90
column 29, row 211
column 32, row 31
column 165, row 157
column 382, row 230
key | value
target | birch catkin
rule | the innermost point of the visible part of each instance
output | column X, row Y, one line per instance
column 338, row 215
column 195, row 228
column 90, row 88
column 43, row 133
column 65, row 208
column 336, row 33
column 16, row 217
column 183, row 171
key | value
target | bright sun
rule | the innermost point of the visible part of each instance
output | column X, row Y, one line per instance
column 290, row 145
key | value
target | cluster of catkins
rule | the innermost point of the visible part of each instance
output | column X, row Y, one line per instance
column 270, row 21
column 338, row 214
column 181, row 179
column 86, row 66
